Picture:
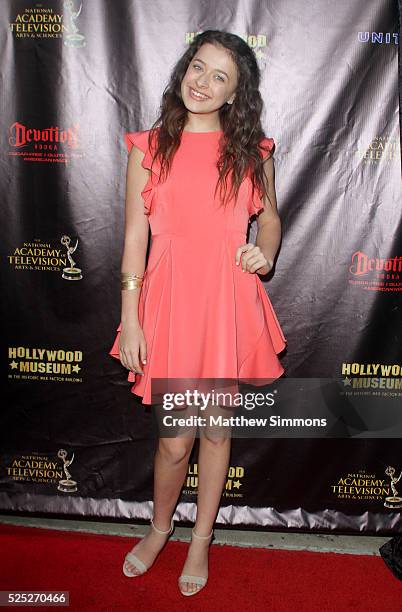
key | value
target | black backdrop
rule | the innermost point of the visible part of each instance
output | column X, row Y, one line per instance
column 75, row 78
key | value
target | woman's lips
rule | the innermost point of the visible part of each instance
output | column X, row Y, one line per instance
column 194, row 96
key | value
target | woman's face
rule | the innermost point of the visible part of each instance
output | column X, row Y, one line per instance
column 210, row 80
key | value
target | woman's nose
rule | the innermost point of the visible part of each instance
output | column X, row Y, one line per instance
column 203, row 80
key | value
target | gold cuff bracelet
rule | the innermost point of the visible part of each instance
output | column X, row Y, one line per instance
column 130, row 281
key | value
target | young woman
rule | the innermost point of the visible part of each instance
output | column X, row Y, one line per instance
column 199, row 310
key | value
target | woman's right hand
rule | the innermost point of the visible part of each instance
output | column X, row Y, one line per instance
column 132, row 347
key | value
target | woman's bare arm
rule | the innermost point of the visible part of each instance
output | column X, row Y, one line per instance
column 135, row 234
column 259, row 257
column 269, row 225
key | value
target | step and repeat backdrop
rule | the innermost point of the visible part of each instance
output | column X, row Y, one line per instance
column 75, row 77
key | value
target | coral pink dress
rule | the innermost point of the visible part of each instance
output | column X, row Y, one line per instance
column 202, row 316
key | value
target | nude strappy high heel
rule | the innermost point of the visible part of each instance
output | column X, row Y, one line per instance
column 201, row 581
column 140, row 565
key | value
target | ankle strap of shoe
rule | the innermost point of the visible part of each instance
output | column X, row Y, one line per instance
column 202, row 537
column 160, row 530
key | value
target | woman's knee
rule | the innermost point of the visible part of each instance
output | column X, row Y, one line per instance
column 215, row 436
column 175, row 450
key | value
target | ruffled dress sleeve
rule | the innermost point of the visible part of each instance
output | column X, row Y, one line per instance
column 256, row 202
column 140, row 140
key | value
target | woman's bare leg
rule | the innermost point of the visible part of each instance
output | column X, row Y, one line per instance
column 171, row 464
column 213, row 464
column 170, row 470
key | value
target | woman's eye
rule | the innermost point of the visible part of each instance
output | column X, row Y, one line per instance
column 219, row 77
column 196, row 66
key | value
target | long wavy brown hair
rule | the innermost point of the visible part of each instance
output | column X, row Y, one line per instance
column 240, row 121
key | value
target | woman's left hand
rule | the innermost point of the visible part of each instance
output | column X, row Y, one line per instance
column 252, row 259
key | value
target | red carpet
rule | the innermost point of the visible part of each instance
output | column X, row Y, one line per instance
column 89, row 566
